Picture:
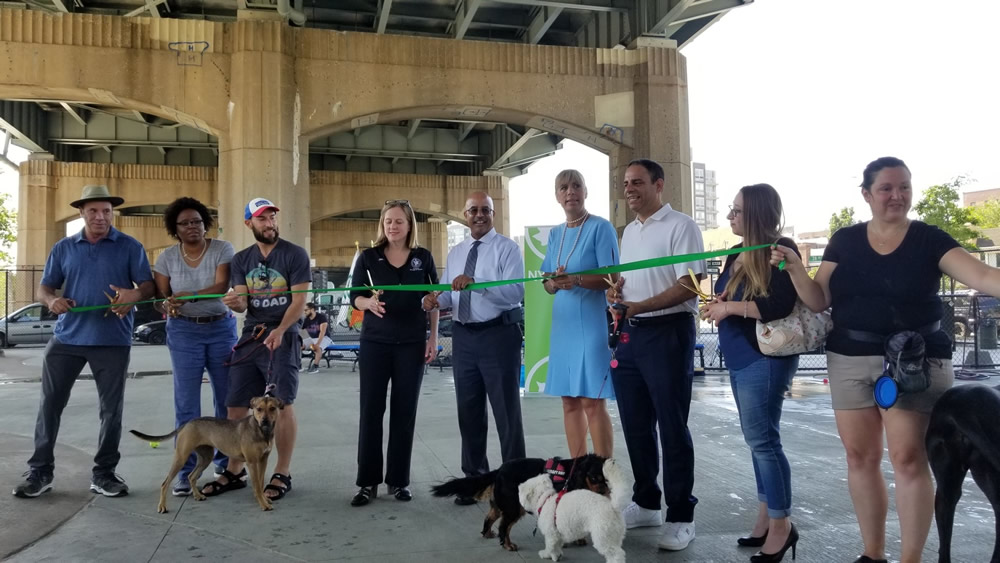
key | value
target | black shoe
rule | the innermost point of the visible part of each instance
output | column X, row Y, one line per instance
column 401, row 493
column 866, row 559
column 109, row 485
column 35, row 484
column 793, row 538
column 751, row 541
column 364, row 495
column 462, row 500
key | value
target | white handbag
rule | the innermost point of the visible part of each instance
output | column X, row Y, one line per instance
column 800, row 332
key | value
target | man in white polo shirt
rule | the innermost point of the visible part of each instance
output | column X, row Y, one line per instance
column 656, row 356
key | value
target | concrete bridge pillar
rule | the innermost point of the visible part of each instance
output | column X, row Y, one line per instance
column 261, row 155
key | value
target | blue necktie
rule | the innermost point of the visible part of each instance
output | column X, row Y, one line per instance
column 465, row 297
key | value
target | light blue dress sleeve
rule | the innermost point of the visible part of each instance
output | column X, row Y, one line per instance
column 606, row 245
column 548, row 264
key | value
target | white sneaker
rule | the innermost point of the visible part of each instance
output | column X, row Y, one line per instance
column 677, row 536
column 639, row 517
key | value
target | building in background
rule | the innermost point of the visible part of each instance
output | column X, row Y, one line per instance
column 982, row 196
column 706, row 212
column 457, row 232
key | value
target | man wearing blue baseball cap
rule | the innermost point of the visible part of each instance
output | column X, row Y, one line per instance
column 269, row 281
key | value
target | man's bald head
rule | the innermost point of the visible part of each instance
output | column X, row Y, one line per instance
column 479, row 213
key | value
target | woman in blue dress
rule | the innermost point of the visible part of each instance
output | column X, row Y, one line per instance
column 579, row 358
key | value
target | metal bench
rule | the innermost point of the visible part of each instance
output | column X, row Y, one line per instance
column 339, row 352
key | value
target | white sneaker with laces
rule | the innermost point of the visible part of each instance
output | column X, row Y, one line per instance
column 639, row 517
column 677, row 536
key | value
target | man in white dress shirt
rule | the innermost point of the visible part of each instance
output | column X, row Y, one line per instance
column 486, row 337
column 656, row 356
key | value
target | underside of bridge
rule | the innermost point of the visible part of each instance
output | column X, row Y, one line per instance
column 330, row 108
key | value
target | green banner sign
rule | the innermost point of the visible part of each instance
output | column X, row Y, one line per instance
column 537, row 311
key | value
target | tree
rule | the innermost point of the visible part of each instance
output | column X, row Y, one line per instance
column 986, row 214
column 938, row 207
column 843, row 219
column 8, row 233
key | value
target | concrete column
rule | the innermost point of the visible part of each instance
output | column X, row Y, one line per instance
column 434, row 237
column 661, row 133
column 261, row 156
column 37, row 227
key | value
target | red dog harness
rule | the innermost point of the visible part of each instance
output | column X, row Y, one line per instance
column 557, row 472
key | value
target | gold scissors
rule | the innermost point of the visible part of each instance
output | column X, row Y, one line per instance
column 112, row 299
column 695, row 286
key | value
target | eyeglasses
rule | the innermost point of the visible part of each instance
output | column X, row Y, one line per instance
column 478, row 210
column 734, row 211
column 397, row 202
column 191, row 223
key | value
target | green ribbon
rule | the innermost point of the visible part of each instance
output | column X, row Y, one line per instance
column 627, row 267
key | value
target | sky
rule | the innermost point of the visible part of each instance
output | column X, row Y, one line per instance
column 802, row 94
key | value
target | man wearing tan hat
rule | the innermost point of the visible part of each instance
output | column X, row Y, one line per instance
column 96, row 262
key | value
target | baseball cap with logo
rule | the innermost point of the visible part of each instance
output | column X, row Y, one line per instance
column 257, row 206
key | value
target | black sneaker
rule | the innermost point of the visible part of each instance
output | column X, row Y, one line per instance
column 109, row 485
column 35, row 484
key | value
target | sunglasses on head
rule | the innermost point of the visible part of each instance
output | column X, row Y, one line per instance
column 397, row 202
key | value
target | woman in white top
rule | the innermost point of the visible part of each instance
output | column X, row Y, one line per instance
column 200, row 332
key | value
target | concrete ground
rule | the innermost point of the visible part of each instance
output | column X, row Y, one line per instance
column 316, row 523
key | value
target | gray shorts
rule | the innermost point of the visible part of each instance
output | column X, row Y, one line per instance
column 250, row 363
column 852, row 383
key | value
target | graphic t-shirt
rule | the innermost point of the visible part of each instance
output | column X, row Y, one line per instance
column 287, row 265
column 312, row 325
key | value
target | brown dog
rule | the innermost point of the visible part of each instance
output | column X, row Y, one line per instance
column 248, row 440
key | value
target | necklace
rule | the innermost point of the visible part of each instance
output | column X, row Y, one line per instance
column 575, row 241
column 196, row 258
column 884, row 239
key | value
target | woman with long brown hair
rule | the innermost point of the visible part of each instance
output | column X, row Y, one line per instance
column 751, row 289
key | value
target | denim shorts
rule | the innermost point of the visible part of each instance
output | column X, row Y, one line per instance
column 852, row 383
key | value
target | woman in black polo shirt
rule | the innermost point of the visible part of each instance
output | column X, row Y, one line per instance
column 394, row 347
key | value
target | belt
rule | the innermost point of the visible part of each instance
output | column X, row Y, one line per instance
column 485, row 324
column 658, row 319
column 876, row 338
column 204, row 320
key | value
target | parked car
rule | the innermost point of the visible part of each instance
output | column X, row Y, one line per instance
column 152, row 333
column 31, row 324
column 145, row 313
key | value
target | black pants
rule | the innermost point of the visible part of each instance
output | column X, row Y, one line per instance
column 487, row 364
column 61, row 366
column 653, row 386
column 403, row 365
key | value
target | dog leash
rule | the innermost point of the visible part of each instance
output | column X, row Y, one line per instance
column 258, row 331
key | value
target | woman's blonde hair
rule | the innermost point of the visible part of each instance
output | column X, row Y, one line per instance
column 411, row 218
column 571, row 175
column 761, row 217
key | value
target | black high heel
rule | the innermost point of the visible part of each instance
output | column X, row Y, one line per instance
column 751, row 541
column 793, row 539
column 866, row 559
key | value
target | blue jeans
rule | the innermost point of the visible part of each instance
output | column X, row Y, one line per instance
column 193, row 349
column 759, row 390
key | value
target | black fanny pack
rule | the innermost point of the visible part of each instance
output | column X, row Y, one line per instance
column 906, row 368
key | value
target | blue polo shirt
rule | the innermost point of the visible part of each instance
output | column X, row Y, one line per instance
column 84, row 271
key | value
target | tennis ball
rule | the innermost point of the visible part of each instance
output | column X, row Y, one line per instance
column 154, row 445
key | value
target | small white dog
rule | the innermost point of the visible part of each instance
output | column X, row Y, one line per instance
column 567, row 517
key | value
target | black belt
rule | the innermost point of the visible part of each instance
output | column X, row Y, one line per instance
column 658, row 319
column 204, row 320
column 485, row 324
column 876, row 338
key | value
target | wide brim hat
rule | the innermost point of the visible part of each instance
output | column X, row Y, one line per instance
column 97, row 193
